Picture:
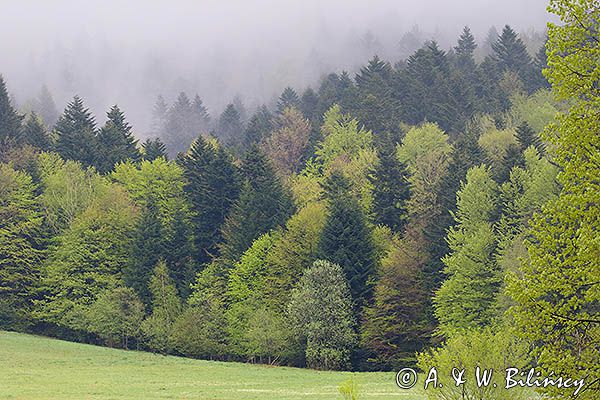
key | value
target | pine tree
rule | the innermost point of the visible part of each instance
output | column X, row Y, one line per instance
column 346, row 239
column 76, row 133
column 263, row 205
column 526, row 137
column 375, row 68
column 116, row 142
column 229, row 129
column 288, row 98
column 46, row 107
column 212, row 185
column 153, row 149
column 10, row 121
column 35, row 134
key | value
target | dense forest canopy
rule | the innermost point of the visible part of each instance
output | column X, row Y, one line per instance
column 436, row 209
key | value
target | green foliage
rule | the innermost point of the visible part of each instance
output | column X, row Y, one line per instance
column 153, row 149
column 116, row 142
column 76, row 134
column 87, row 259
column 288, row 99
column 349, row 390
column 264, row 204
column 347, row 241
column 469, row 349
column 212, row 185
column 467, row 299
column 200, row 331
column 230, row 129
column 166, row 308
column 10, row 121
column 35, row 134
column 116, row 316
column 20, row 255
column 321, row 312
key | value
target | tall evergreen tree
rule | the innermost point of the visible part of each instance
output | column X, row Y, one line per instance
column 465, row 49
column 526, row 137
column 212, row 185
column 288, row 98
column 10, row 121
column 153, row 149
column 309, row 103
column 76, row 133
column 116, row 142
column 35, row 134
column 346, row 239
column 179, row 128
column 259, row 127
column 46, row 107
column 263, row 205
column 229, row 128
column 201, row 119
column 159, row 116
column 511, row 55
column 390, row 190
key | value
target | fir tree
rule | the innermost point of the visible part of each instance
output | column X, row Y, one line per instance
column 10, row 121
column 465, row 49
column 159, row 115
column 229, row 129
column 76, row 133
column 35, row 134
column 46, row 107
column 259, row 127
column 179, row 128
column 309, row 103
column 116, row 142
column 153, row 149
column 511, row 54
column 212, row 185
column 201, row 118
column 263, row 205
column 526, row 137
column 346, row 239
column 288, row 98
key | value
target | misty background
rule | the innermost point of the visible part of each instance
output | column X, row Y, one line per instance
column 128, row 52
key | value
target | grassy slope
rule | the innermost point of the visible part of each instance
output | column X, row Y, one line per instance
column 34, row 367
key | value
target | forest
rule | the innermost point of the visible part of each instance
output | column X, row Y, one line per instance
column 440, row 210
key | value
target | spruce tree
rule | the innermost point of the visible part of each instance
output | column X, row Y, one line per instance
column 309, row 103
column 35, row 134
column 259, row 127
column 153, row 149
column 229, row 129
column 526, row 137
column 511, row 55
column 465, row 49
column 346, row 239
column 390, row 190
column 46, row 107
column 179, row 128
column 116, row 142
column 288, row 98
column 263, row 204
column 159, row 116
column 76, row 134
column 10, row 121
column 201, row 118
column 212, row 185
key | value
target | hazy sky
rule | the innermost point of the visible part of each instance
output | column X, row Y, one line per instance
column 127, row 52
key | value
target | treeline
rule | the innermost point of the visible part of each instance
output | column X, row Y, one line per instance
column 349, row 228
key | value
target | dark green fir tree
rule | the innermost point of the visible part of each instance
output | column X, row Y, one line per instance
column 116, row 142
column 76, row 134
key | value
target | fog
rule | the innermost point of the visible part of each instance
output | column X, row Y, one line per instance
column 128, row 52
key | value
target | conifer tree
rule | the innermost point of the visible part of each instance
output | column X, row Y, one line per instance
column 465, row 49
column 309, row 103
column 390, row 189
column 116, row 142
column 179, row 128
column 159, row 116
column 511, row 54
column 35, row 134
column 288, row 98
column 263, row 205
column 347, row 241
column 76, row 133
column 526, row 137
column 229, row 129
column 10, row 121
column 212, row 185
column 201, row 121
column 46, row 107
column 153, row 149
column 259, row 127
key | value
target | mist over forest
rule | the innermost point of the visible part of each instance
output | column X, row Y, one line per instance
column 126, row 53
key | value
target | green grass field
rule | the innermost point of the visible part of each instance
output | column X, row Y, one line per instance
column 33, row 367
